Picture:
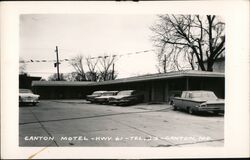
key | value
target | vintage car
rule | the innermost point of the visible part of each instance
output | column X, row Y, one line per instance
column 126, row 97
column 198, row 101
column 174, row 93
column 27, row 97
column 104, row 98
column 95, row 94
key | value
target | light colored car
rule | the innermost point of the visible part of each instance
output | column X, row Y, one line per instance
column 104, row 98
column 199, row 101
column 27, row 97
column 95, row 94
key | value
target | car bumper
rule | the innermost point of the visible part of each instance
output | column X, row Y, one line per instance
column 29, row 101
column 119, row 101
column 210, row 109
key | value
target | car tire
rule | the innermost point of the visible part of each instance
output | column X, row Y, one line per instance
column 171, row 103
column 190, row 110
column 34, row 104
column 174, row 107
column 216, row 112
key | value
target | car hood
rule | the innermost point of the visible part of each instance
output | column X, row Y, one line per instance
column 28, row 95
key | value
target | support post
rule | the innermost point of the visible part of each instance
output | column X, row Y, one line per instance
column 187, row 83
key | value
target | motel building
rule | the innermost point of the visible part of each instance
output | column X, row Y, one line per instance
column 155, row 87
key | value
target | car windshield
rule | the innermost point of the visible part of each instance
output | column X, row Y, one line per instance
column 209, row 95
column 24, row 91
column 125, row 93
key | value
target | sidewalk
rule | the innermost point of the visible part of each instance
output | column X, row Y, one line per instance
column 145, row 106
column 78, row 101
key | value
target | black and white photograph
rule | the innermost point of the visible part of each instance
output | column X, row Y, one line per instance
column 121, row 80
column 124, row 80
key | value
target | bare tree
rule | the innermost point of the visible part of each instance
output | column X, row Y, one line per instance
column 77, row 64
column 92, row 74
column 99, row 69
column 72, row 76
column 53, row 77
column 189, row 39
column 106, row 72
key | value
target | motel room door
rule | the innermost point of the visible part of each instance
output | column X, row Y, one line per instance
column 158, row 91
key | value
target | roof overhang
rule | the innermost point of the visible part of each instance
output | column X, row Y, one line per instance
column 150, row 77
column 60, row 83
column 163, row 76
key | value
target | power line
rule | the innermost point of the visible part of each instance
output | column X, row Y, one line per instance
column 42, row 72
column 97, row 57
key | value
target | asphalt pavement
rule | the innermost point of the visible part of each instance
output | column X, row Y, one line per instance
column 79, row 123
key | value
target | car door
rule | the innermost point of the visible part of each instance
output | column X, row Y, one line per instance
column 183, row 100
column 187, row 101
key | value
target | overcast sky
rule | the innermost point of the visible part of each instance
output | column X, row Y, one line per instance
column 89, row 35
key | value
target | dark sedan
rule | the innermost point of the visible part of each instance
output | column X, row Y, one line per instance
column 126, row 97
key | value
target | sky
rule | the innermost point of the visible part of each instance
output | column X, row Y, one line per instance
column 89, row 35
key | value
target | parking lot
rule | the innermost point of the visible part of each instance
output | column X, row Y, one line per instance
column 79, row 123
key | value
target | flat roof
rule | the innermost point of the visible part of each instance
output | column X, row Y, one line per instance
column 61, row 83
column 25, row 76
column 159, row 76
column 149, row 77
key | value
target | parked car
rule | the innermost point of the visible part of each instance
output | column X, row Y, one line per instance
column 199, row 101
column 27, row 97
column 95, row 94
column 126, row 97
column 104, row 98
column 174, row 93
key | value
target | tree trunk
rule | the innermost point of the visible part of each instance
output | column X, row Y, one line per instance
column 210, row 64
column 201, row 64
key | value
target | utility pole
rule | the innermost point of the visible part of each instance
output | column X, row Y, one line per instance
column 57, row 64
